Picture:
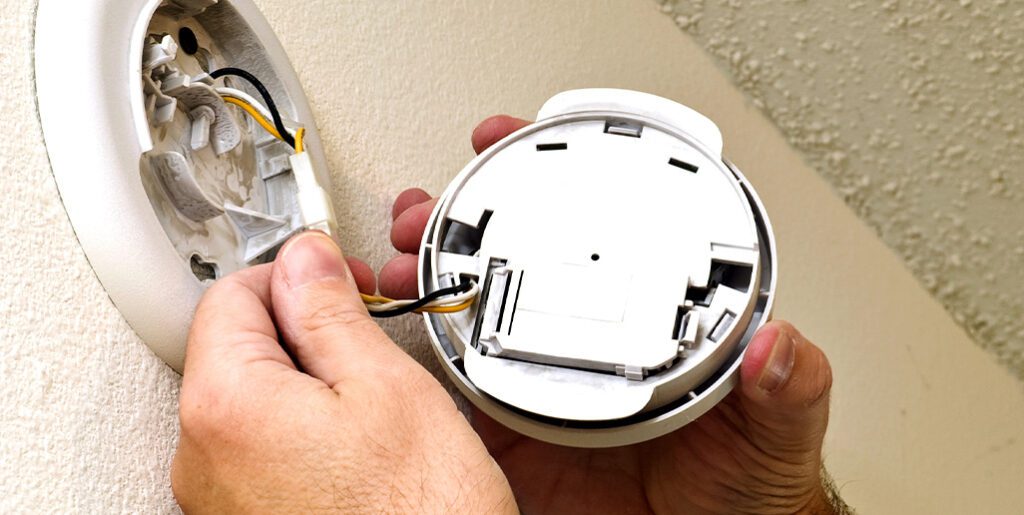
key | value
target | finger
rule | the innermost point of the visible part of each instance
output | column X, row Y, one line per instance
column 407, row 231
column 365, row 279
column 233, row 327
column 398, row 278
column 785, row 385
column 319, row 312
column 407, row 199
column 494, row 129
column 411, row 219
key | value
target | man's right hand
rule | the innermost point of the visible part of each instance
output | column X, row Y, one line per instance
column 293, row 399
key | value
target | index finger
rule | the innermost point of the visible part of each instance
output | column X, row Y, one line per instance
column 233, row 328
column 410, row 223
column 398, row 278
column 494, row 129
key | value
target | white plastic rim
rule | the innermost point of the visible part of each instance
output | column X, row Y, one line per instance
column 88, row 65
column 562, row 231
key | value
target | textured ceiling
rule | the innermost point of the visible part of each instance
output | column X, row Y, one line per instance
column 914, row 111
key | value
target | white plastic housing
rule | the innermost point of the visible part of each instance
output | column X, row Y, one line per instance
column 624, row 264
column 157, row 184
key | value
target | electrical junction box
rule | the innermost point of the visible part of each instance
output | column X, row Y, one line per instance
column 624, row 267
column 168, row 183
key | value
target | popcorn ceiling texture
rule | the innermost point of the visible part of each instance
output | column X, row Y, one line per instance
column 87, row 413
column 914, row 111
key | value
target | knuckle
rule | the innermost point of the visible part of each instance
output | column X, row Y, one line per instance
column 333, row 318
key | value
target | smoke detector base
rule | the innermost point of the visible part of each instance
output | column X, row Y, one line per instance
column 167, row 186
column 624, row 267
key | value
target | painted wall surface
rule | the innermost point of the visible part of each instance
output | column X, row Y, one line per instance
column 923, row 420
column 914, row 112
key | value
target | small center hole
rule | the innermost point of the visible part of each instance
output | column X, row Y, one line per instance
column 187, row 41
column 595, row 257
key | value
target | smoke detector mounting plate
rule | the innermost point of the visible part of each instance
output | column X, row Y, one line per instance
column 624, row 267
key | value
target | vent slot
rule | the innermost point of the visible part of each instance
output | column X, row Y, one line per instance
column 621, row 128
column 547, row 147
column 734, row 275
column 465, row 239
column 515, row 304
column 722, row 327
column 700, row 296
column 679, row 329
column 683, row 164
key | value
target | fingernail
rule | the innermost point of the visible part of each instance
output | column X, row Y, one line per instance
column 780, row 364
column 311, row 257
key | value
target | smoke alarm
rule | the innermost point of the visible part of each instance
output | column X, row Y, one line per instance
column 624, row 266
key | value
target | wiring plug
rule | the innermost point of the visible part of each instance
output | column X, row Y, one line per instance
column 315, row 206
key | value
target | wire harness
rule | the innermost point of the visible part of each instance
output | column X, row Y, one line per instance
column 265, row 93
column 447, row 300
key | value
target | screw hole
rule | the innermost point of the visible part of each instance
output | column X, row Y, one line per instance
column 203, row 270
column 187, row 41
column 595, row 257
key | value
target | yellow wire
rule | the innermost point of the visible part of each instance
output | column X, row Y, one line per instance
column 256, row 116
column 373, row 299
column 300, row 146
column 448, row 309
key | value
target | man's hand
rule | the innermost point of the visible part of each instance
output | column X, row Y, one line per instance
column 759, row 451
column 342, row 421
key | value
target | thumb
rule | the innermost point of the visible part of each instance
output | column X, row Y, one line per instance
column 318, row 310
column 785, row 385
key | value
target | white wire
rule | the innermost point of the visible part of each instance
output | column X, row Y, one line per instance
column 454, row 300
column 248, row 99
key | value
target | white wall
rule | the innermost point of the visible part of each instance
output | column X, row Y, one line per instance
column 923, row 421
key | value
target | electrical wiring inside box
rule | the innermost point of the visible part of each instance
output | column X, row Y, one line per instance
column 229, row 173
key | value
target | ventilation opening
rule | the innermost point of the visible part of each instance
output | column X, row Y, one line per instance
column 465, row 239
column 621, row 128
column 679, row 328
column 515, row 304
column 684, row 165
column 204, row 271
column 722, row 327
column 734, row 275
column 700, row 296
column 485, row 293
column 546, row 147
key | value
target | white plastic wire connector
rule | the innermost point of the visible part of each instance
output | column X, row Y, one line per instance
column 315, row 205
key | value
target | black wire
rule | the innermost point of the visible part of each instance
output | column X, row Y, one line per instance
column 278, row 122
column 422, row 303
